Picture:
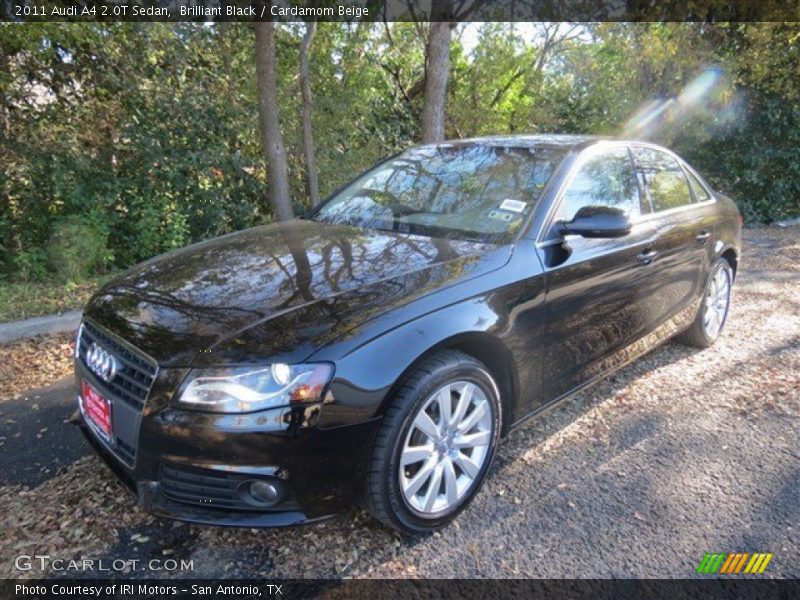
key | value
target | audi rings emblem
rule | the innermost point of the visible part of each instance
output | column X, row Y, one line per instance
column 103, row 364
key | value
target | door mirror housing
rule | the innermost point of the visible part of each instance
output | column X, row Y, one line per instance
column 598, row 222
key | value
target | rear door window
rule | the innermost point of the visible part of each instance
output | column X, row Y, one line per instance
column 664, row 179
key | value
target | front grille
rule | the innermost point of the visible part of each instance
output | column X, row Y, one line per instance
column 135, row 376
column 128, row 389
column 204, row 487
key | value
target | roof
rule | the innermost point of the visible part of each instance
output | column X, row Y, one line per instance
column 566, row 141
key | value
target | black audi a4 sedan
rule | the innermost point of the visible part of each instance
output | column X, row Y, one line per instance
column 377, row 349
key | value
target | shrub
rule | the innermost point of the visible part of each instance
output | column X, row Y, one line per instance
column 77, row 248
column 30, row 265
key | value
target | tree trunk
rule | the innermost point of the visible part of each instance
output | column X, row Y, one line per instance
column 271, row 138
column 308, row 133
column 436, row 72
column 5, row 120
column 226, row 33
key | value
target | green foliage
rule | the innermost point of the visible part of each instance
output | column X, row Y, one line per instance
column 77, row 248
column 741, row 130
column 30, row 265
column 758, row 161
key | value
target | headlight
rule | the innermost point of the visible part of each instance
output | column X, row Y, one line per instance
column 248, row 389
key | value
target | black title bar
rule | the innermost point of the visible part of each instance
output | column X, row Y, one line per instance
column 372, row 589
column 400, row 10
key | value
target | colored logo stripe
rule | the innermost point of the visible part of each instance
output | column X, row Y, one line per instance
column 734, row 562
column 711, row 563
column 758, row 564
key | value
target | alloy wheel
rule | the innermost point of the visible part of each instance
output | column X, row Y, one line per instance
column 445, row 448
column 717, row 302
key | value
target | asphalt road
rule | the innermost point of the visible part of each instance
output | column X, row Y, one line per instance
column 38, row 442
column 682, row 453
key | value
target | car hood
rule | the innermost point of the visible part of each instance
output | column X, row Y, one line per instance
column 277, row 291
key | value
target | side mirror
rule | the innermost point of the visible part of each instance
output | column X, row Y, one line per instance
column 598, row 222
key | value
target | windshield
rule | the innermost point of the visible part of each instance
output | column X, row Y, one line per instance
column 476, row 192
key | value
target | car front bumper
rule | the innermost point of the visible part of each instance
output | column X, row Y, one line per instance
column 197, row 467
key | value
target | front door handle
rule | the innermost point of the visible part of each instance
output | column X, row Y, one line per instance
column 647, row 257
column 703, row 236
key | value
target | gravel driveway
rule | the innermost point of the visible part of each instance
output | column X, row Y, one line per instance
column 682, row 453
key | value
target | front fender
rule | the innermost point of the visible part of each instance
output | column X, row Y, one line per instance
column 365, row 376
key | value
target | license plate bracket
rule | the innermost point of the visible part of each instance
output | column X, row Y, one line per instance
column 97, row 409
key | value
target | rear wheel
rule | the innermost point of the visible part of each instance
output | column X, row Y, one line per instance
column 714, row 308
column 435, row 445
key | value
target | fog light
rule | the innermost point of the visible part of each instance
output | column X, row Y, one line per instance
column 263, row 491
column 260, row 493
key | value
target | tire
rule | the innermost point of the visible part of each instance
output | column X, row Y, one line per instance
column 406, row 499
column 700, row 334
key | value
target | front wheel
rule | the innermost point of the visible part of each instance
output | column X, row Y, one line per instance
column 435, row 445
column 713, row 311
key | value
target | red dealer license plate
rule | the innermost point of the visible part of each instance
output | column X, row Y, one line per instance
column 97, row 408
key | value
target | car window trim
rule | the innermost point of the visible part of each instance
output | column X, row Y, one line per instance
column 641, row 184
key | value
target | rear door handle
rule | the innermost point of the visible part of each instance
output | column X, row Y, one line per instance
column 647, row 257
column 703, row 236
